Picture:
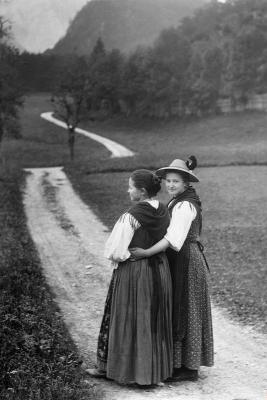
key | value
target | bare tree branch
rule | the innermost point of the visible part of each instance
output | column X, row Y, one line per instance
column 69, row 98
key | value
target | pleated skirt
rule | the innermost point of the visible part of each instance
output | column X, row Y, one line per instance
column 135, row 342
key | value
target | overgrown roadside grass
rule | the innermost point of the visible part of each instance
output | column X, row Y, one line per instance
column 38, row 359
column 234, row 230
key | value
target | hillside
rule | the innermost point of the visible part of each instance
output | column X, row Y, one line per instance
column 122, row 24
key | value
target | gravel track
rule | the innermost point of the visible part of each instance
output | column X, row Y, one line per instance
column 116, row 149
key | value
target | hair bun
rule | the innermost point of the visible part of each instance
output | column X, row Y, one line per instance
column 156, row 179
column 191, row 162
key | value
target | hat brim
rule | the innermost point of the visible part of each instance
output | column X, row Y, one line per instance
column 161, row 172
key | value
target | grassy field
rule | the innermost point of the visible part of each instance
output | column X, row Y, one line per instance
column 223, row 140
column 43, row 143
column 233, row 192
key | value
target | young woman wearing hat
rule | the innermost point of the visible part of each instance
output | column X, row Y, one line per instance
column 135, row 340
column 192, row 323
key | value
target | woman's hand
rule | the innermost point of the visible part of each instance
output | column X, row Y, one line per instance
column 137, row 253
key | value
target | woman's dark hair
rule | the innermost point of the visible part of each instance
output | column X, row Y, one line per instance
column 145, row 179
column 184, row 175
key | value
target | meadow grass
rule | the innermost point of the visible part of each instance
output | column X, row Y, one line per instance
column 43, row 143
column 238, row 139
column 221, row 140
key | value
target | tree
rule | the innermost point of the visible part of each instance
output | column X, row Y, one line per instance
column 105, row 70
column 246, row 56
column 204, row 78
column 98, row 51
column 134, row 79
column 170, row 61
column 10, row 92
column 69, row 97
column 38, row 72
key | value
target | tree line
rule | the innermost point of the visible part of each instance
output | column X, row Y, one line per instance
column 10, row 86
column 219, row 52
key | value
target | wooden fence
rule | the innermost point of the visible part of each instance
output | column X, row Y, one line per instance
column 256, row 102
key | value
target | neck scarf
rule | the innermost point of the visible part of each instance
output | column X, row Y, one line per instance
column 188, row 195
column 154, row 220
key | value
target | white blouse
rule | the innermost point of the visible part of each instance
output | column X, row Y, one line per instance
column 116, row 248
column 183, row 214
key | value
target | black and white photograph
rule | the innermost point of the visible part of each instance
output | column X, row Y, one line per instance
column 133, row 189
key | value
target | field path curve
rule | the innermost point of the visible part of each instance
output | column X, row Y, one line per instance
column 69, row 239
column 116, row 149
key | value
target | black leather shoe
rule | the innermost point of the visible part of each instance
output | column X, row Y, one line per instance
column 184, row 375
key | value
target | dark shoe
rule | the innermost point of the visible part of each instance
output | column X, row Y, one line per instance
column 184, row 375
column 96, row 373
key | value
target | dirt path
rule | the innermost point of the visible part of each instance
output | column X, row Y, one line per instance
column 69, row 239
column 116, row 149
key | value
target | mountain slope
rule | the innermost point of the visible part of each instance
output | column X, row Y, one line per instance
column 122, row 24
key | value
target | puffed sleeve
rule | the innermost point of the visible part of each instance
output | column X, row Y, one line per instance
column 183, row 214
column 116, row 248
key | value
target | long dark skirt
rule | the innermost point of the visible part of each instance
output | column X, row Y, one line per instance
column 102, row 346
column 192, row 321
column 135, row 340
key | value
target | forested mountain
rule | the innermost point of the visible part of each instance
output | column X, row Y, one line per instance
column 122, row 24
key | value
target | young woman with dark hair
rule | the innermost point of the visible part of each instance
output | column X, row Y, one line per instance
column 135, row 340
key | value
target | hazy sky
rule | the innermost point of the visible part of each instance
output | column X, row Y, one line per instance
column 39, row 24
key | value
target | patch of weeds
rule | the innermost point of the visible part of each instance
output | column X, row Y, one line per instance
column 38, row 359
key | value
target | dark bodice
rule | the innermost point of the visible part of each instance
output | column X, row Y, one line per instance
column 154, row 223
column 195, row 228
column 142, row 239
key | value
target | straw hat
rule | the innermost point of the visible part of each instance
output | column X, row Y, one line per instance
column 180, row 165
